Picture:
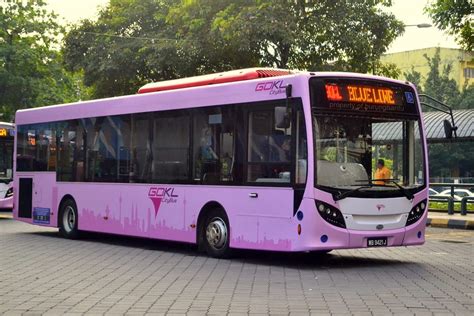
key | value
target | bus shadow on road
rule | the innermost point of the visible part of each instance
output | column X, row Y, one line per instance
column 341, row 259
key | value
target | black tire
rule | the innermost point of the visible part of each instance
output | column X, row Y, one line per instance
column 68, row 220
column 215, row 233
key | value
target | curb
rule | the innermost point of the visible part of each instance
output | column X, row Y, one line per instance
column 450, row 223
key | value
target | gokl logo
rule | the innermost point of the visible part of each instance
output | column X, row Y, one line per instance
column 380, row 207
column 274, row 87
column 161, row 195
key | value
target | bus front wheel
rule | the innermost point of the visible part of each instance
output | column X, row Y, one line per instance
column 216, row 234
column 68, row 220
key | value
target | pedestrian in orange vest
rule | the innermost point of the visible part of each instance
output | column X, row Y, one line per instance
column 382, row 172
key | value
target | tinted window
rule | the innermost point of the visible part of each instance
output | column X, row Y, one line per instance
column 171, row 147
column 301, row 149
column 269, row 147
column 71, row 151
column 141, row 148
column 108, row 148
column 36, row 147
column 213, row 152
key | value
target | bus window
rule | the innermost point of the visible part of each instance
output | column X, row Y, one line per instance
column 171, row 148
column 108, row 154
column 141, row 151
column 269, row 148
column 213, row 143
column 37, row 148
column 301, row 149
column 70, row 154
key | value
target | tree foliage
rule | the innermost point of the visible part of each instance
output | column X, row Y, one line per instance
column 31, row 71
column 448, row 156
column 149, row 40
column 456, row 17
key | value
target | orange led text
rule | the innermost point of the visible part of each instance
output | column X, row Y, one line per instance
column 370, row 95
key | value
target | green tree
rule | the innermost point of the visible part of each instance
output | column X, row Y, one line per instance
column 154, row 40
column 454, row 16
column 129, row 45
column 451, row 156
column 31, row 71
column 295, row 34
column 437, row 83
column 414, row 77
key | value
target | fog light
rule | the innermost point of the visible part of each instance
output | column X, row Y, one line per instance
column 324, row 238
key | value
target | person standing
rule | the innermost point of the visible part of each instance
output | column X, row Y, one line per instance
column 382, row 172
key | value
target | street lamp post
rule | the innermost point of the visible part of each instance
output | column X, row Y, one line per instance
column 420, row 26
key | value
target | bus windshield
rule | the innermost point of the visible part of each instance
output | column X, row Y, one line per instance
column 6, row 158
column 367, row 139
column 350, row 151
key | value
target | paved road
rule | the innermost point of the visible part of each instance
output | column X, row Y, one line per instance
column 43, row 273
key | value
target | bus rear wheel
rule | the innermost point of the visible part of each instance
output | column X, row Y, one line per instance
column 68, row 220
column 216, row 234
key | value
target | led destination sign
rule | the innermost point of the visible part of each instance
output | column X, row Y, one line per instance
column 3, row 132
column 362, row 94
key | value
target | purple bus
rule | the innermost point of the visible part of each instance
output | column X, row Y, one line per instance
column 7, row 131
column 257, row 158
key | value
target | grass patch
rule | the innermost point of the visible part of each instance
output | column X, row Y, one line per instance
column 443, row 206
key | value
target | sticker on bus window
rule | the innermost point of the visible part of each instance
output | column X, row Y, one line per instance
column 409, row 97
column 41, row 215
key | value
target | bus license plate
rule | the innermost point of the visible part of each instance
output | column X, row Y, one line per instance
column 377, row 242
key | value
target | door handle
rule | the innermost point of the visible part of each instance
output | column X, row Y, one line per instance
column 253, row 195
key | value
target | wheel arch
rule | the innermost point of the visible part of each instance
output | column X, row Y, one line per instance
column 63, row 199
column 211, row 205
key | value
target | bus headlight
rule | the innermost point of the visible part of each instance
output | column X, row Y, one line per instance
column 9, row 193
column 330, row 214
column 416, row 212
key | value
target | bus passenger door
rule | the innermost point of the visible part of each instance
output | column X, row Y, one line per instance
column 274, row 145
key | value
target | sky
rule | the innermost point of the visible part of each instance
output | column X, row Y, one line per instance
column 407, row 11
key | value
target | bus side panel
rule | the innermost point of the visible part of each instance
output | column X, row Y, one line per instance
column 44, row 199
column 155, row 211
column 171, row 212
column 259, row 217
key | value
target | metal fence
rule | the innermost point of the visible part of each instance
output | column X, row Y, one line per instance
column 450, row 199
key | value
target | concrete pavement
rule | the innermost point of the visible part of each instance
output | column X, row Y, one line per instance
column 42, row 273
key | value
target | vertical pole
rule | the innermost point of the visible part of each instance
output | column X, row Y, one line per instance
column 450, row 206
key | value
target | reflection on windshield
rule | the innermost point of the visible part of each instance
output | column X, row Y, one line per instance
column 354, row 152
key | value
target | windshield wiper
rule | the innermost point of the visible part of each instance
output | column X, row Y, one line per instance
column 343, row 195
column 405, row 192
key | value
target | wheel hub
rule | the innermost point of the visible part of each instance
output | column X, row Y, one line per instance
column 216, row 233
column 69, row 218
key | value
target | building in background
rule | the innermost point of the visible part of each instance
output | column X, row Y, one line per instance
column 462, row 62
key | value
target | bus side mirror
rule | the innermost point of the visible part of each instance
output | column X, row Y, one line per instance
column 448, row 129
column 282, row 119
